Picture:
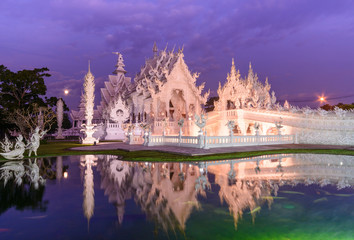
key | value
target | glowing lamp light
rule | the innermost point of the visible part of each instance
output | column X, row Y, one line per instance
column 66, row 91
column 322, row 99
column 65, row 174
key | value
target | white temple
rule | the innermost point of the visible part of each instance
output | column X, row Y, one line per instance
column 164, row 101
column 163, row 92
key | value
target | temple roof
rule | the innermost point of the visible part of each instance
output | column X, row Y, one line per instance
column 117, row 85
column 247, row 91
column 153, row 75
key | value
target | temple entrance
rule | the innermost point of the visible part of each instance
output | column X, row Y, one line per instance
column 177, row 105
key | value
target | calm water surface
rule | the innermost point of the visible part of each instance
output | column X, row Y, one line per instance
column 294, row 196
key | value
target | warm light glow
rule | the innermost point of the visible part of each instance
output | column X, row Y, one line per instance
column 65, row 174
column 321, row 99
column 66, row 91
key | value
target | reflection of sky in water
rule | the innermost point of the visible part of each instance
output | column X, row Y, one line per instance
column 268, row 197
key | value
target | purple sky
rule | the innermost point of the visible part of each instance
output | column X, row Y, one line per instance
column 306, row 48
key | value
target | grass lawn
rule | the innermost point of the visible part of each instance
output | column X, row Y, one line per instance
column 61, row 149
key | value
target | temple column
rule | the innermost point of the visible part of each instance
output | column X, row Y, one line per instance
column 241, row 122
column 168, row 109
column 154, row 111
column 197, row 108
column 187, row 109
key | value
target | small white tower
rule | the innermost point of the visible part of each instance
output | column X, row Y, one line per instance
column 89, row 96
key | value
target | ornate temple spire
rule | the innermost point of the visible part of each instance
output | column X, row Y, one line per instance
column 233, row 75
column 154, row 49
column 89, row 74
column 233, row 68
column 250, row 77
column 89, row 95
column 120, row 64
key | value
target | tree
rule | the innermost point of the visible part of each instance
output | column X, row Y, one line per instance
column 28, row 119
column 52, row 102
column 328, row 107
column 20, row 96
column 21, row 89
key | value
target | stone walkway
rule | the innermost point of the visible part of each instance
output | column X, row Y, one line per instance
column 199, row 152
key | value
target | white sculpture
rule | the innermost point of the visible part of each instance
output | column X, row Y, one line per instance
column 231, row 126
column 6, row 145
column 34, row 142
column 60, row 110
column 146, row 128
column 21, row 172
column 18, row 150
column 180, row 124
column 279, row 126
column 257, row 127
column 119, row 112
column 200, row 122
column 11, row 170
column 33, row 174
column 89, row 95
column 164, row 126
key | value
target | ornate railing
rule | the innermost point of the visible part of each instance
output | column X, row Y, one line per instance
column 202, row 141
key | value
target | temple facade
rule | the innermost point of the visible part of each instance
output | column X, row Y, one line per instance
column 162, row 93
column 238, row 93
column 252, row 107
column 164, row 98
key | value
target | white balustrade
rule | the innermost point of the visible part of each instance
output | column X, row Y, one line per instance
column 219, row 141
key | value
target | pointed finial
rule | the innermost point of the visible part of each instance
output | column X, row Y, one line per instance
column 233, row 70
column 154, row 49
column 89, row 68
column 120, row 64
column 250, row 65
column 173, row 49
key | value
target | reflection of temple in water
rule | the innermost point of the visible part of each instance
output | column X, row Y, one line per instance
column 165, row 192
column 168, row 192
column 247, row 183
column 88, row 161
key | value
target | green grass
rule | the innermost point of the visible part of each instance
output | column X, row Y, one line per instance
column 61, row 148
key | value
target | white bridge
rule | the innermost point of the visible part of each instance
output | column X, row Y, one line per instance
column 310, row 126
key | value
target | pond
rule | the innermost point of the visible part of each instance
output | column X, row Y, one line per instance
column 288, row 196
